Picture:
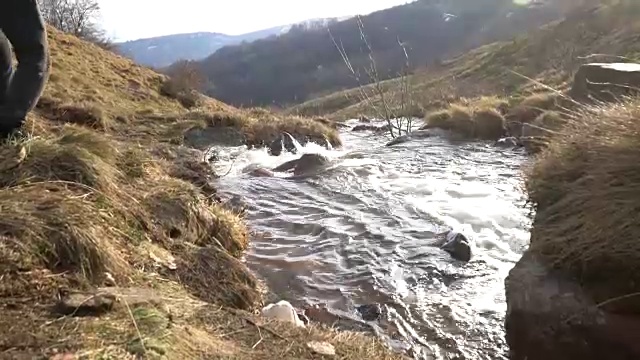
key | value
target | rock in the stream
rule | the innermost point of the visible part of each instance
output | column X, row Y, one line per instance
column 605, row 79
column 418, row 134
column 550, row 317
column 282, row 143
column 457, row 245
column 375, row 128
column 508, row 143
column 370, row 312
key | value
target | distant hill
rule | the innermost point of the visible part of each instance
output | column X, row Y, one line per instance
column 162, row 51
column 304, row 63
column 549, row 55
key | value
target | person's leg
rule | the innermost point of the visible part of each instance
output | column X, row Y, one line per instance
column 24, row 26
column 6, row 70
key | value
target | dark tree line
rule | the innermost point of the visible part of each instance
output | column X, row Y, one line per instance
column 304, row 63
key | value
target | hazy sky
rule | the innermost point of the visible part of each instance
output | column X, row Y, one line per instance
column 134, row 19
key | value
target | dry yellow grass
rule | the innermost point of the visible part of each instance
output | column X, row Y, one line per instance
column 585, row 185
column 101, row 195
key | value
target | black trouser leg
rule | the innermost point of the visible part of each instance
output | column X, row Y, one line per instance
column 24, row 26
column 6, row 70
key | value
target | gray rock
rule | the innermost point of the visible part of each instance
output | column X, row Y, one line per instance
column 103, row 300
column 418, row 134
column 370, row 312
column 550, row 316
column 457, row 245
column 508, row 142
column 374, row 128
column 602, row 80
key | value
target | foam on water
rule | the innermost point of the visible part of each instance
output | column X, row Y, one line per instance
column 364, row 232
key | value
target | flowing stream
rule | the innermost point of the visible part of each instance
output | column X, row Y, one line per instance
column 363, row 233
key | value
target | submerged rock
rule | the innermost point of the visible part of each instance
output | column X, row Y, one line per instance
column 457, row 245
column 375, row 128
column 306, row 164
column 418, row 134
column 551, row 317
column 508, row 142
column 284, row 143
column 370, row 312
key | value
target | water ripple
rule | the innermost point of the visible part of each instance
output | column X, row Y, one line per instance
column 364, row 232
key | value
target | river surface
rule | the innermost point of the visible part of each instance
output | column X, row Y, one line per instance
column 364, row 232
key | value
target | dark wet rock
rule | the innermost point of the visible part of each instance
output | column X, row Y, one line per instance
column 550, row 316
column 374, row 128
column 306, row 164
column 370, row 312
column 508, row 142
column 101, row 301
column 261, row 172
column 213, row 156
column 310, row 163
column 399, row 140
column 418, row 134
column 284, row 143
column 214, row 135
column 606, row 80
column 457, row 245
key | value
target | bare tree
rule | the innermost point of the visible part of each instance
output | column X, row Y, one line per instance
column 375, row 94
column 77, row 17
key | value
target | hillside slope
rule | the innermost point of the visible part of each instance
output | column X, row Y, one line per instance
column 305, row 64
column 550, row 55
column 113, row 243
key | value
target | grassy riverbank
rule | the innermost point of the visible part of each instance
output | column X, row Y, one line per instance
column 114, row 244
column 585, row 187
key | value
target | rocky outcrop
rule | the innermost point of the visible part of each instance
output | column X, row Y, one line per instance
column 606, row 80
column 551, row 317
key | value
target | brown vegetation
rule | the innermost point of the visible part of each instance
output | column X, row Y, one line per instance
column 585, row 186
column 473, row 119
column 101, row 198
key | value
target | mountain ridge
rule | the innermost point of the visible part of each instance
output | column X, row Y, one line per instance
column 164, row 50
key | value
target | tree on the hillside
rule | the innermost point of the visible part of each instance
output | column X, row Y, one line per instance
column 184, row 83
column 77, row 17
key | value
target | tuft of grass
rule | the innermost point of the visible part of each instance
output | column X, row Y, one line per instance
column 585, row 184
column 490, row 124
column 215, row 276
column 479, row 119
column 462, row 121
column 533, row 106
